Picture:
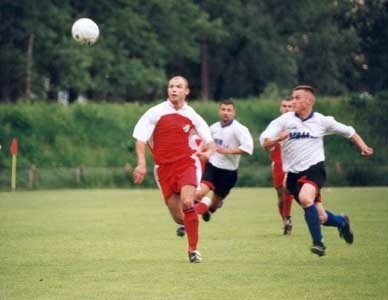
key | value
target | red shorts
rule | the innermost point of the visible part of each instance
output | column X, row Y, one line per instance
column 277, row 175
column 171, row 177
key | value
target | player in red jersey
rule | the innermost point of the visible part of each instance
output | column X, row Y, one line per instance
column 166, row 129
column 284, row 196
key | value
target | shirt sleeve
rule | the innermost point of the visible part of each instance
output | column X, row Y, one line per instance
column 334, row 127
column 145, row 126
column 202, row 129
column 272, row 130
column 245, row 139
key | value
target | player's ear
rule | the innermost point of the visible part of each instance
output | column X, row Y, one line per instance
column 187, row 91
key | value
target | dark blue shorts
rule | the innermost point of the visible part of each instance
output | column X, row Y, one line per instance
column 315, row 175
column 221, row 181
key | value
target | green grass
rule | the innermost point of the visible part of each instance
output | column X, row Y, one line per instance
column 121, row 244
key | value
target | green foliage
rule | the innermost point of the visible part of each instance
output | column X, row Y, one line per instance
column 371, row 113
column 369, row 20
column 324, row 49
column 57, row 140
column 248, row 46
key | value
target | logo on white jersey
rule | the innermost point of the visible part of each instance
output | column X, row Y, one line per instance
column 186, row 128
column 299, row 135
column 218, row 142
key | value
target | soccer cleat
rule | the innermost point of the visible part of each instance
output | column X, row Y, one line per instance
column 287, row 227
column 195, row 256
column 206, row 216
column 345, row 232
column 180, row 231
column 318, row 249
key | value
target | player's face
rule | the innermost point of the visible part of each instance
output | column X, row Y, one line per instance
column 302, row 100
column 226, row 113
column 177, row 90
column 286, row 106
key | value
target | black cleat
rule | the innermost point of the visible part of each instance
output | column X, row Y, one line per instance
column 195, row 257
column 287, row 227
column 180, row 231
column 318, row 249
column 345, row 232
column 206, row 216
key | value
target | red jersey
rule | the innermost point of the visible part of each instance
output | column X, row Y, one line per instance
column 277, row 168
column 276, row 155
column 167, row 131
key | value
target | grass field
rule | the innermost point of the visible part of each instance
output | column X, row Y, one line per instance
column 121, row 244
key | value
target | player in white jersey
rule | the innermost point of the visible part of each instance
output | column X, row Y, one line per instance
column 220, row 175
column 300, row 134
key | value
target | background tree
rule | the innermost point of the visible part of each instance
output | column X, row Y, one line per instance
column 370, row 20
column 138, row 48
column 324, row 49
column 235, row 48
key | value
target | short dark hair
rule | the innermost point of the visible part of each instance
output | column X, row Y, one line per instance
column 228, row 101
column 181, row 77
column 306, row 88
column 287, row 98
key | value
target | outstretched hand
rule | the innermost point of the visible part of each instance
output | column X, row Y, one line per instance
column 367, row 151
column 364, row 148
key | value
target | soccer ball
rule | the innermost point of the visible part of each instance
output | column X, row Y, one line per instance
column 85, row 31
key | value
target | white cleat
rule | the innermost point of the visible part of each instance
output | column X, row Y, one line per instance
column 195, row 256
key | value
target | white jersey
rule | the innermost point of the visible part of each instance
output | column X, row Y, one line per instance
column 304, row 146
column 232, row 135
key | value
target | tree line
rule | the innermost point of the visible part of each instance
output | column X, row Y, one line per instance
column 234, row 48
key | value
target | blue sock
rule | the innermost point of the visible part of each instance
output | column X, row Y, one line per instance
column 312, row 219
column 334, row 220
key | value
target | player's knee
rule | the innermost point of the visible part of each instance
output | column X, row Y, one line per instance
column 187, row 203
column 305, row 201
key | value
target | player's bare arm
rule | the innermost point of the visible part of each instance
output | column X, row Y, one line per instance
column 364, row 148
column 141, row 169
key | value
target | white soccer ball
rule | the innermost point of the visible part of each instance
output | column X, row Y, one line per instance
column 85, row 31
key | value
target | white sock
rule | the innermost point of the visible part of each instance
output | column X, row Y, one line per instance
column 207, row 201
